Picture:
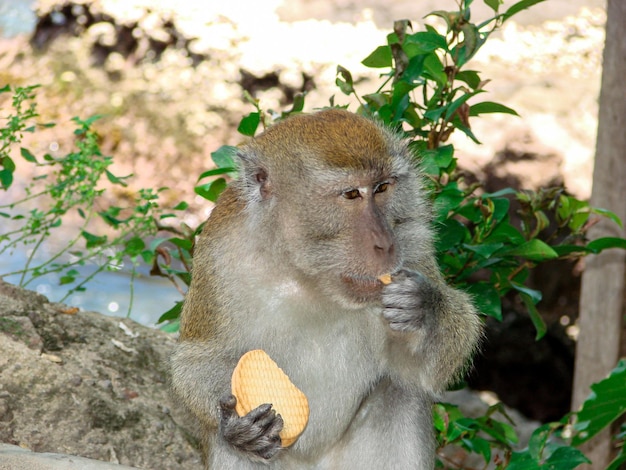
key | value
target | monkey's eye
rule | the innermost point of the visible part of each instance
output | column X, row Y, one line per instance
column 351, row 193
column 382, row 187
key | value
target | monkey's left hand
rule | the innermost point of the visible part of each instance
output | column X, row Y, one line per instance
column 410, row 302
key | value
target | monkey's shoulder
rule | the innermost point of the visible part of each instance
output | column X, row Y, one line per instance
column 227, row 211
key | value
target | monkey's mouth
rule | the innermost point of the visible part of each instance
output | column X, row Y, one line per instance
column 363, row 287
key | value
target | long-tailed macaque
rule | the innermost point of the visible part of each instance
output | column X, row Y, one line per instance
column 288, row 262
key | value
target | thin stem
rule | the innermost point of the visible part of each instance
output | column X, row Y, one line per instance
column 83, row 282
column 27, row 198
column 29, row 260
column 133, row 273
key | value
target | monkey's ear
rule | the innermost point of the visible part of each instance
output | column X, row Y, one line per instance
column 264, row 185
column 254, row 176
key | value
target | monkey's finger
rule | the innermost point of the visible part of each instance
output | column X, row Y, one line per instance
column 271, row 450
column 227, row 408
column 268, row 424
column 228, row 402
column 401, row 314
column 402, row 320
column 262, row 413
column 276, row 426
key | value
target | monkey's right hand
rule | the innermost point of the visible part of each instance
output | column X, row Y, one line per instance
column 255, row 434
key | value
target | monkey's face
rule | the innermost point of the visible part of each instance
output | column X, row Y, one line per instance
column 326, row 191
column 343, row 237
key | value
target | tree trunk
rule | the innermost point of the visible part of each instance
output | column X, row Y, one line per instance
column 601, row 302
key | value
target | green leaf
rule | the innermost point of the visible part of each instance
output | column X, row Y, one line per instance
column 8, row 163
column 171, row 327
column 535, row 317
column 423, row 42
column 110, row 216
column 484, row 250
column 522, row 461
column 297, row 105
column 534, row 250
column 29, row 157
column 184, row 276
column 155, row 243
column 565, row 250
column 618, row 461
column 181, row 243
column 466, row 130
column 93, row 240
column 211, row 191
column 344, row 80
column 6, row 178
column 381, row 57
column 172, row 314
column 565, row 458
column 90, row 120
column 493, row 4
column 435, row 69
column 223, row 156
column 450, row 17
column 500, row 193
column 480, row 446
column 440, row 417
column 414, row 69
column 606, row 403
column 519, row 6
column 542, row 454
column 471, row 40
column 400, row 99
column 450, row 233
column 444, row 156
column 434, row 113
column 376, row 100
column 485, row 107
column 607, row 213
column 538, row 439
column 217, row 171
column 600, row 244
column 487, row 299
column 470, row 77
column 501, row 432
column 533, row 294
column 134, row 246
column 181, row 206
column 69, row 277
column 447, row 200
column 248, row 124
column 116, row 179
column 452, row 107
column 506, row 233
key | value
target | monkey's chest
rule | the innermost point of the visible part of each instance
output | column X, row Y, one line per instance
column 336, row 365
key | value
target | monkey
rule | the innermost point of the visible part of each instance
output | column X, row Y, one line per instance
column 288, row 262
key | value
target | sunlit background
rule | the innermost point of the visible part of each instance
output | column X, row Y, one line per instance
column 163, row 118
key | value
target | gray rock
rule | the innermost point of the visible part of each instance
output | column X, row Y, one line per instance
column 17, row 458
column 77, row 383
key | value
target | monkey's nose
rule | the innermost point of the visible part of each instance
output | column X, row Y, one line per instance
column 385, row 247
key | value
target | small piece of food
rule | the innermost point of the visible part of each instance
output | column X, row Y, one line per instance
column 256, row 380
column 385, row 279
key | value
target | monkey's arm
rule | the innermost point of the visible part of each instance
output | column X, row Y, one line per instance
column 201, row 379
column 438, row 324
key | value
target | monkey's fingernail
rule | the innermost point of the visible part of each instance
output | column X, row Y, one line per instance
column 385, row 279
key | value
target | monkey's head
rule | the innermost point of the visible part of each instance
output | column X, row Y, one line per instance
column 328, row 195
